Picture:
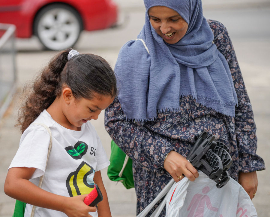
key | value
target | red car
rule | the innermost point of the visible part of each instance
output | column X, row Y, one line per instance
column 58, row 23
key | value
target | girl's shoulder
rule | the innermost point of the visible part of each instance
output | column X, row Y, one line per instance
column 90, row 129
column 35, row 133
column 42, row 122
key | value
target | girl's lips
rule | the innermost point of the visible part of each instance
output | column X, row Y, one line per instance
column 84, row 121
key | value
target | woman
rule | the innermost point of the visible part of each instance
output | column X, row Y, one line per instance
column 178, row 79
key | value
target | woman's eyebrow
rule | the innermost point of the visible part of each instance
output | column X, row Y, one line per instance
column 177, row 15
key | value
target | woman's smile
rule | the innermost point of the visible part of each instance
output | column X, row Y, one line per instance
column 169, row 36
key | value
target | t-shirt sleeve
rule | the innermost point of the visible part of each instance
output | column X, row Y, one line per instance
column 101, row 156
column 33, row 150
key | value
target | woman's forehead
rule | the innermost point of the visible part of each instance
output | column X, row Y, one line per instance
column 182, row 7
column 162, row 11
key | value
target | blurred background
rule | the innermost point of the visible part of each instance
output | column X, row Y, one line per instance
column 102, row 27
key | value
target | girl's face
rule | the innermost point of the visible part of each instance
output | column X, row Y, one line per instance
column 79, row 111
column 168, row 24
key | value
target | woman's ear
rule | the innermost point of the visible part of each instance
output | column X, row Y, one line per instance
column 67, row 95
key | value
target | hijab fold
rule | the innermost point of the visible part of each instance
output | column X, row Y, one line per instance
column 154, row 82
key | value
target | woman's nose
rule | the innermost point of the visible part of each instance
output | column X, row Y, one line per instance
column 164, row 28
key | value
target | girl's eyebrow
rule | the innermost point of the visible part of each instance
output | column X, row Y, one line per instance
column 97, row 107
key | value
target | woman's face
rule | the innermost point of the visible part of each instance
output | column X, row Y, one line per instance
column 168, row 23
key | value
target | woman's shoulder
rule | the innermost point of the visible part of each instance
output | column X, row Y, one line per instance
column 216, row 25
column 219, row 30
column 221, row 38
column 134, row 47
column 133, row 57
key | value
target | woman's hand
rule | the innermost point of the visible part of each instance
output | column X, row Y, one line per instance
column 249, row 182
column 75, row 207
column 178, row 167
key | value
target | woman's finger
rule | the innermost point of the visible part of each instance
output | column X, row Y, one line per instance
column 176, row 177
column 180, row 177
column 189, row 175
column 193, row 170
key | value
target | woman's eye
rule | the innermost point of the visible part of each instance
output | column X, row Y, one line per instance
column 174, row 20
column 155, row 19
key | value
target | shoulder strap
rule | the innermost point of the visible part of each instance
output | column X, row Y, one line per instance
column 49, row 151
column 143, row 44
column 124, row 166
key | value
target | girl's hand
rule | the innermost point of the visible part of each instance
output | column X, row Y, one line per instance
column 75, row 207
column 249, row 182
column 178, row 167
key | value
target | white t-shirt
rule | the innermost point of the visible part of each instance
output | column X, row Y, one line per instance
column 74, row 158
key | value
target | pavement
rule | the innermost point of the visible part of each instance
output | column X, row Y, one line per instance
column 255, row 67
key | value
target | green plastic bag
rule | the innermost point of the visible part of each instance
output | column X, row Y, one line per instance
column 19, row 209
column 120, row 169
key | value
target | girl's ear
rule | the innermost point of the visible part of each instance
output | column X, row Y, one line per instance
column 67, row 95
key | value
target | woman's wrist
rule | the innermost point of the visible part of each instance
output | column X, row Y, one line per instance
column 167, row 156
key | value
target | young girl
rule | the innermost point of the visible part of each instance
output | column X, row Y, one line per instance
column 71, row 91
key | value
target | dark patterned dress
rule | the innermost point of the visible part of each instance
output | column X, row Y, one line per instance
column 147, row 144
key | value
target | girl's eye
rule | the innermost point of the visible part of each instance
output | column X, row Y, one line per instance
column 91, row 110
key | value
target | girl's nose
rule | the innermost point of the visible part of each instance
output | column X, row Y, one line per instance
column 95, row 116
column 165, row 28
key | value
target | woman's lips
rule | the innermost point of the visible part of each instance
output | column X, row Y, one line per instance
column 169, row 36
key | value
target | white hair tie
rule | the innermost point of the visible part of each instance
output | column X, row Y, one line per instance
column 72, row 53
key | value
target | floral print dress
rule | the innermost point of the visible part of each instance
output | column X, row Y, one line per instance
column 147, row 144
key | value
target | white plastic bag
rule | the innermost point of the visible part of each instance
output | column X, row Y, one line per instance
column 202, row 198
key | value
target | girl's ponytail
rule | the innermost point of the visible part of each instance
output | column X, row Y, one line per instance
column 44, row 91
column 84, row 74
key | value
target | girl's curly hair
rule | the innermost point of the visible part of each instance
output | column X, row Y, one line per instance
column 84, row 74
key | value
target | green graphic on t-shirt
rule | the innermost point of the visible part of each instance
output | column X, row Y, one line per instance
column 79, row 149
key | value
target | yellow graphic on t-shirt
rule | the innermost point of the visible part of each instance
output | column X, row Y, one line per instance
column 78, row 182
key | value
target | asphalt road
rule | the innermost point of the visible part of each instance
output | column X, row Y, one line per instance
column 250, row 32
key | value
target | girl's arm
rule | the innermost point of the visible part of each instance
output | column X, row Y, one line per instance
column 103, row 206
column 18, row 186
